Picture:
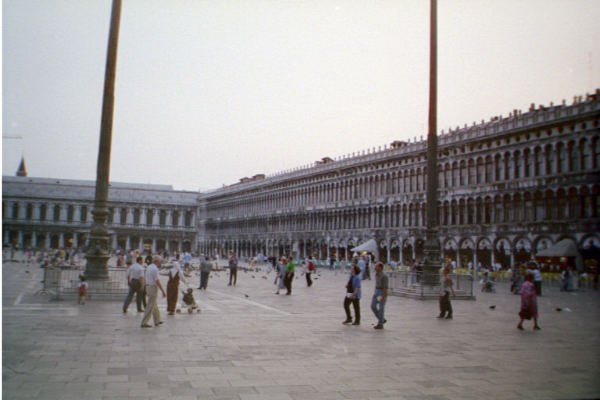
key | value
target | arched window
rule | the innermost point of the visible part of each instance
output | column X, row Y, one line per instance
column 188, row 218
column 463, row 173
column 498, row 168
column 70, row 213
column 480, row 171
column 489, row 169
column 43, row 212
column 29, row 212
column 84, row 214
column 561, row 162
column 507, row 166
column 15, row 211
column 537, row 162
column 560, row 204
column 162, row 218
column 526, row 163
column 517, row 165
column 123, row 216
column 472, row 172
column 455, row 175
column 573, row 157
column 585, row 151
column 57, row 213
column 549, row 159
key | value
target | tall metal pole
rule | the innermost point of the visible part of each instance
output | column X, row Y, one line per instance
column 432, row 259
column 98, row 251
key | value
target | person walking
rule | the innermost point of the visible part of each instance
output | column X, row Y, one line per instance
column 152, row 285
column 280, row 274
column 289, row 275
column 135, row 281
column 380, row 295
column 205, row 268
column 528, row 303
column 175, row 276
column 310, row 268
column 233, row 265
column 353, row 296
column 447, row 288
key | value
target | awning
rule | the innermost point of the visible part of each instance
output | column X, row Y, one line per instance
column 370, row 246
column 563, row 248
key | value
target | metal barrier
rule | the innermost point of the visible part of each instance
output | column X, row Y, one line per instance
column 411, row 284
column 65, row 282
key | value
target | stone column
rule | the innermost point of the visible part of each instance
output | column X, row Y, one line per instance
column 61, row 240
column 129, row 216
column 75, row 240
column 143, row 216
column 47, row 244
column 154, row 245
column 128, row 243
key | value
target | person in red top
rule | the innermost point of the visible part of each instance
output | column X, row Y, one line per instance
column 310, row 268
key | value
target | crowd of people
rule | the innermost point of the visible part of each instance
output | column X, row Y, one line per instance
column 144, row 283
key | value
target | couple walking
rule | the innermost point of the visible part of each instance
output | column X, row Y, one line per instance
column 354, row 294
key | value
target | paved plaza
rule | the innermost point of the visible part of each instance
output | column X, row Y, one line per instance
column 250, row 344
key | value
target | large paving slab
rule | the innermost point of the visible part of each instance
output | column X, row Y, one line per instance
column 248, row 343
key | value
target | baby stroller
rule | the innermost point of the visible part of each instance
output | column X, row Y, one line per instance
column 189, row 302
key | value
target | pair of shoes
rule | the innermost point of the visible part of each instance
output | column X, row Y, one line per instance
column 347, row 321
column 146, row 326
column 449, row 317
column 199, row 288
column 287, row 294
column 277, row 292
column 158, row 323
column 355, row 323
column 441, row 316
column 170, row 313
column 536, row 328
column 520, row 327
column 229, row 284
column 124, row 311
column 378, row 326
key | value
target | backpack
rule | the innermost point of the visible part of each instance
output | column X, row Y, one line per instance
column 311, row 266
column 82, row 290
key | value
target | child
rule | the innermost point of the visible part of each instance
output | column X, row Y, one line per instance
column 83, row 288
column 189, row 301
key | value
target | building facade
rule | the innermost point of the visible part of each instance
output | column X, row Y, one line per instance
column 57, row 213
column 508, row 188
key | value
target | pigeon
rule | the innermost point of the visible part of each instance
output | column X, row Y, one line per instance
column 246, row 296
column 493, row 307
column 558, row 309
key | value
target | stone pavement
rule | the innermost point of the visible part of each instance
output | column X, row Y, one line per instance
column 248, row 343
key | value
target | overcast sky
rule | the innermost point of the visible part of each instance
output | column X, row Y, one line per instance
column 208, row 92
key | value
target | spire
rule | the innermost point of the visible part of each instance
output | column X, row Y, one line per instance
column 22, row 171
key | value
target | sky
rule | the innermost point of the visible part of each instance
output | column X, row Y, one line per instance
column 208, row 92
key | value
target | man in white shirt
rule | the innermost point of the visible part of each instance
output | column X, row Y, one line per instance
column 152, row 284
column 135, row 280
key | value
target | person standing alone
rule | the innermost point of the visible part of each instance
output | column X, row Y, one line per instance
column 445, row 304
column 233, row 264
column 380, row 295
